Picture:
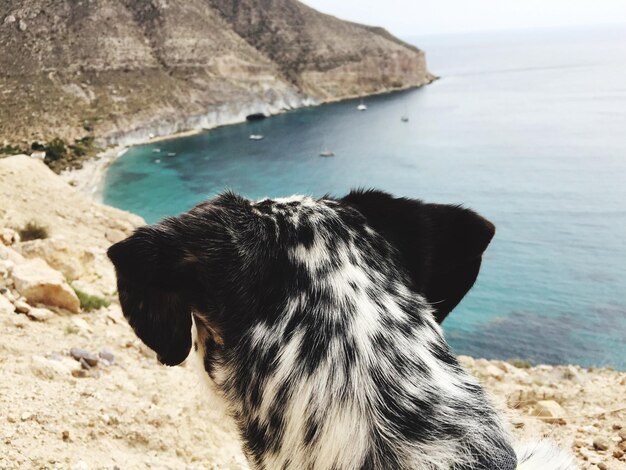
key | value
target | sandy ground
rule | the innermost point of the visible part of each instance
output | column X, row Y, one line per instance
column 136, row 413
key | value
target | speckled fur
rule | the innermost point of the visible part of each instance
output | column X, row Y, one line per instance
column 312, row 330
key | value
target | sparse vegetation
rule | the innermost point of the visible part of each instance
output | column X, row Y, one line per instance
column 90, row 302
column 33, row 230
column 520, row 363
column 55, row 150
column 10, row 150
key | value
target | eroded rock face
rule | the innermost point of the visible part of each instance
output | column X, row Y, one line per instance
column 39, row 283
column 163, row 66
column 71, row 260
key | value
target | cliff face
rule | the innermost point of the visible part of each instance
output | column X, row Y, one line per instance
column 322, row 55
column 114, row 68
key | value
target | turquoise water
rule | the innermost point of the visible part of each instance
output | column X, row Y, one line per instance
column 528, row 129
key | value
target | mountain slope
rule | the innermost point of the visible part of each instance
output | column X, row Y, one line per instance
column 121, row 69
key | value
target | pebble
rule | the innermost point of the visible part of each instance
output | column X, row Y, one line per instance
column 618, row 454
column 622, row 434
column 84, row 364
column 22, row 307
column 107, row 355
column 549, row 411
column 602, row 466
column 580, row 443
column 80, row 373
column 600, row 443
column 89, row 358
column 40, row 314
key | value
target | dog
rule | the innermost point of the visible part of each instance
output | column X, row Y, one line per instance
column 317, row 322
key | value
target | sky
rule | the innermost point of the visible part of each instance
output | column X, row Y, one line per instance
column 417, row 17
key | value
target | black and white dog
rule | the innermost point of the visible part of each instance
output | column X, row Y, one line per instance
column 318, row 323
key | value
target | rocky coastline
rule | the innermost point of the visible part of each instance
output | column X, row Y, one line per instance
column 78, row 390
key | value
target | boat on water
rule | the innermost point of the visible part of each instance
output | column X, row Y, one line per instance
column 256, row 137
column 327, row 153
column 362, row 106
column 404, row 119
column 171, row 154
column 156, row 150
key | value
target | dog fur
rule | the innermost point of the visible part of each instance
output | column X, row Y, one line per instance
column 317, row 321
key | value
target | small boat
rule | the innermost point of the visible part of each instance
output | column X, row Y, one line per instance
column 156, row 150
column 404, row 119
column 171, row 154
column 362, row 106
column 157, row 161
column 256, row 137
column 327, row 153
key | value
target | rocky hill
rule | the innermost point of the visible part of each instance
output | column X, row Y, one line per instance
column 79, row 391
column 121, row 70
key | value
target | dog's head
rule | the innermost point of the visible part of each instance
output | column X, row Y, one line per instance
column 236, row 261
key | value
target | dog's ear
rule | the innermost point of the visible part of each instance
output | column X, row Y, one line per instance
column 152, row 282
column 441, row 246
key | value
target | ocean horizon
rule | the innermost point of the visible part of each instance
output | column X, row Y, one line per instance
column 526, row 128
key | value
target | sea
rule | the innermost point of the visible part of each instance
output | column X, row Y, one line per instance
column 528, row 128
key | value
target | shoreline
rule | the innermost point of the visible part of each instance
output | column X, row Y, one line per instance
column 90, row 178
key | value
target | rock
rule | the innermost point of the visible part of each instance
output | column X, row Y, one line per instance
column 84, row 364
column 39, row 283
column 6, row 307
column 622, row 434
column 8, row 236
column 38, row 155
column 26, row 416
column 107, row 355
column 22, row 307
column 493, row 371
column 115, row 235
column 466, row 361
column 71, row 260
column 22, row 25
column 40, row 314
column 618, row 454
column 9, row 20
column 81, row 326
column 602, row 466
column 580, row 443
column 549, row 411
column 49, row 369
column 6, row 267
column 9, row 254
column 80, row 373
column 600, row 443
column 89, row 358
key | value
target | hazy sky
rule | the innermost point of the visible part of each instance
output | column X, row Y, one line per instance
column 414, row 17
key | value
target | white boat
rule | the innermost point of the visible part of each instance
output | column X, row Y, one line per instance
column 157, row 161
column 362, row 106
column 156, row 150
column 327, row 153
column 171, row 154
column 256, row 137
